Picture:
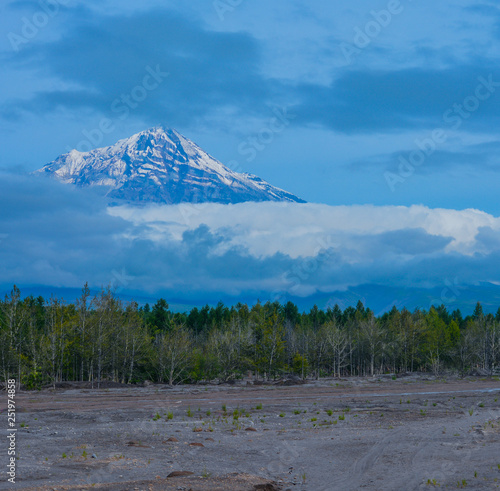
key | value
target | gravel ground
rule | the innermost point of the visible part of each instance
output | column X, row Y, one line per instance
column 378, row 434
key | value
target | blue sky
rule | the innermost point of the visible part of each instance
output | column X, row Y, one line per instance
column 390, row 103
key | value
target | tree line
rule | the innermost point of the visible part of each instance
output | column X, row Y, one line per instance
column 100, row 338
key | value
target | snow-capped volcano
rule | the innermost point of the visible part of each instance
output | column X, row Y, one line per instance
column 162, row 166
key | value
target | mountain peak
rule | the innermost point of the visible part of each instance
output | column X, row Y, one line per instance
column 160, row 132
column 162, row 166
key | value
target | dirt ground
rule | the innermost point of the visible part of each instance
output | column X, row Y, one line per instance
column 411, row 433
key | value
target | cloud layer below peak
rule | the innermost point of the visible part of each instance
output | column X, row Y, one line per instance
column 302, row 230
column 59, row 236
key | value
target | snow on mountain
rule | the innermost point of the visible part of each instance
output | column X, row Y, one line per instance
column 160, row 165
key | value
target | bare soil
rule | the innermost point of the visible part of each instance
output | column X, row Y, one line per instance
column 412, row 433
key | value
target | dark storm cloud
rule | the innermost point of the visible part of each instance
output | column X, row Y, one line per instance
column 411, row 242
column 489, row 238
column 195, row 264
column 371, row 100
column 53, row 233
column 108, row 56
column 475, row 157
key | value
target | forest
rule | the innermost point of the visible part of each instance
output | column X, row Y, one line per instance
column 100, row 338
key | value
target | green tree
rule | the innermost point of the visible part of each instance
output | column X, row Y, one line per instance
column 270, row 349
column 160, row 316
column 300, row 365
column 436, row 342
